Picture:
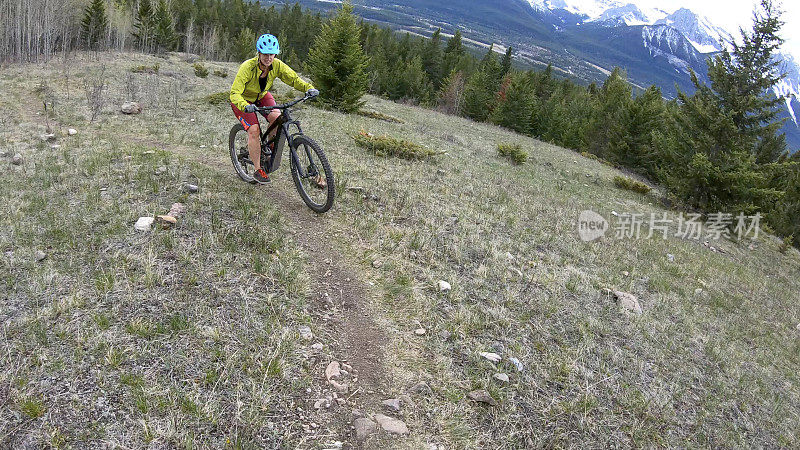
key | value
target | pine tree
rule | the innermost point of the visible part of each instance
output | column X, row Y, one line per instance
column 432, row 59
column 453, row 54
column 505, row 64
column 164, row 32
column 144, row 26
column 94, row 24
column 630, row 142
column 723, row 133
column 479, row 93
column 515, row 103
column 612, row 104
column 743, row 79
column 337, row 63
column 244, row 46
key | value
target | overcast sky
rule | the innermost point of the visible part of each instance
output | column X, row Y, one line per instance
column 731, row 14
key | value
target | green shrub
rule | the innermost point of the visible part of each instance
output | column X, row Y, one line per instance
column 222, row 73
column 513, row 152
column 217, row 98
column 786, row 243
column 389, row 146
column 146, row 69
column 32, row 407
column 378, row 116
column 631, row 185
column 200, row 70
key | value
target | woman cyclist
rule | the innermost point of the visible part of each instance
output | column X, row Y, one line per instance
column 250, row 90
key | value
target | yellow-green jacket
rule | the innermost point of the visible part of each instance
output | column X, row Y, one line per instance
column 246, row 88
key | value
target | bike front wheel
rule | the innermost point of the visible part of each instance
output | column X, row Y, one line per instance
column 312, row 174
column 240, row 155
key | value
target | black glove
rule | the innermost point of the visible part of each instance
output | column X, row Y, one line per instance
column 250, row 108
column 312, row 93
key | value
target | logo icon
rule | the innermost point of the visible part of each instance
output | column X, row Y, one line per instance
column 591, row 226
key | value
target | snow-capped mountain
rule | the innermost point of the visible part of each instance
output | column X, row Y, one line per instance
column 704, row 35
column 682, row 38
column 789, row 87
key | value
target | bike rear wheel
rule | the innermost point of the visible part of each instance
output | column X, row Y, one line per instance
column 240, row 156
column 313, row 168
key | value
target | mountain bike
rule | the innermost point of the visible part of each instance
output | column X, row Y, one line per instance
column 308, row 162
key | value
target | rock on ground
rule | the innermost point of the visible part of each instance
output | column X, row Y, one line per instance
column 501, row 377
column 364, row 427
column 131, row 108
column 444, row 286
column 391, row 425
column 17, row 159
column 305, row 332
column 143, row 224
column 628, row 302
column 392, row 404
column 333, row 371
column 482, row 395
column 493, row 357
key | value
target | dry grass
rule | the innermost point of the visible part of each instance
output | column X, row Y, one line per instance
column 185, row 338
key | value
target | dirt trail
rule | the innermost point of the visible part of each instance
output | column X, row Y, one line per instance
column 339, row 299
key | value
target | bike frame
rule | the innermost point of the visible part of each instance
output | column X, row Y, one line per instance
column 283, row 136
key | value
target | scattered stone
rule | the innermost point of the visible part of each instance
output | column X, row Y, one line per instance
column 161, row 170
column 332, row 371
column 16, row 159
column 421, row 388
column 320, row 403
column 509, row 256
column 391, row 425
column 50, row 137
column 305, row 332
column 419, row 331
column 392, row 404
column 55, row 146
column 3, row 154
column 698, row 291
column 347, row 367
column 377, row 264
column 625, row 273
column 191, row 188
column 493, row 357
column 177, row 210
column 72, row 132
column 364, row 427
column 202, row 146
column 318, row 346
column 39, row 255
column 444, row 286
column 131, row 108
column 481, row 395
column 628, row 301
column 166, row 221
column 143, row 224
column 670, row 257
column 149, row 152
column 517, row 363
column 501, row 376
column 341, row 387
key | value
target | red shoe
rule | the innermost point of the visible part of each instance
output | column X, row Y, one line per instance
column 261, row 177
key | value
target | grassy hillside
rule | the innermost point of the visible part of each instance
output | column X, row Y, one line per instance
column 189, row 337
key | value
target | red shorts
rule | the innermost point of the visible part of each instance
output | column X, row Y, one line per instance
column 247, row 119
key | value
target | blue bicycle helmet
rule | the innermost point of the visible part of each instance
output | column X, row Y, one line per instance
column 268, row 45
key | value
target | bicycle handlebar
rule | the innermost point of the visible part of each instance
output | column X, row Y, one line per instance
column 285, row 105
